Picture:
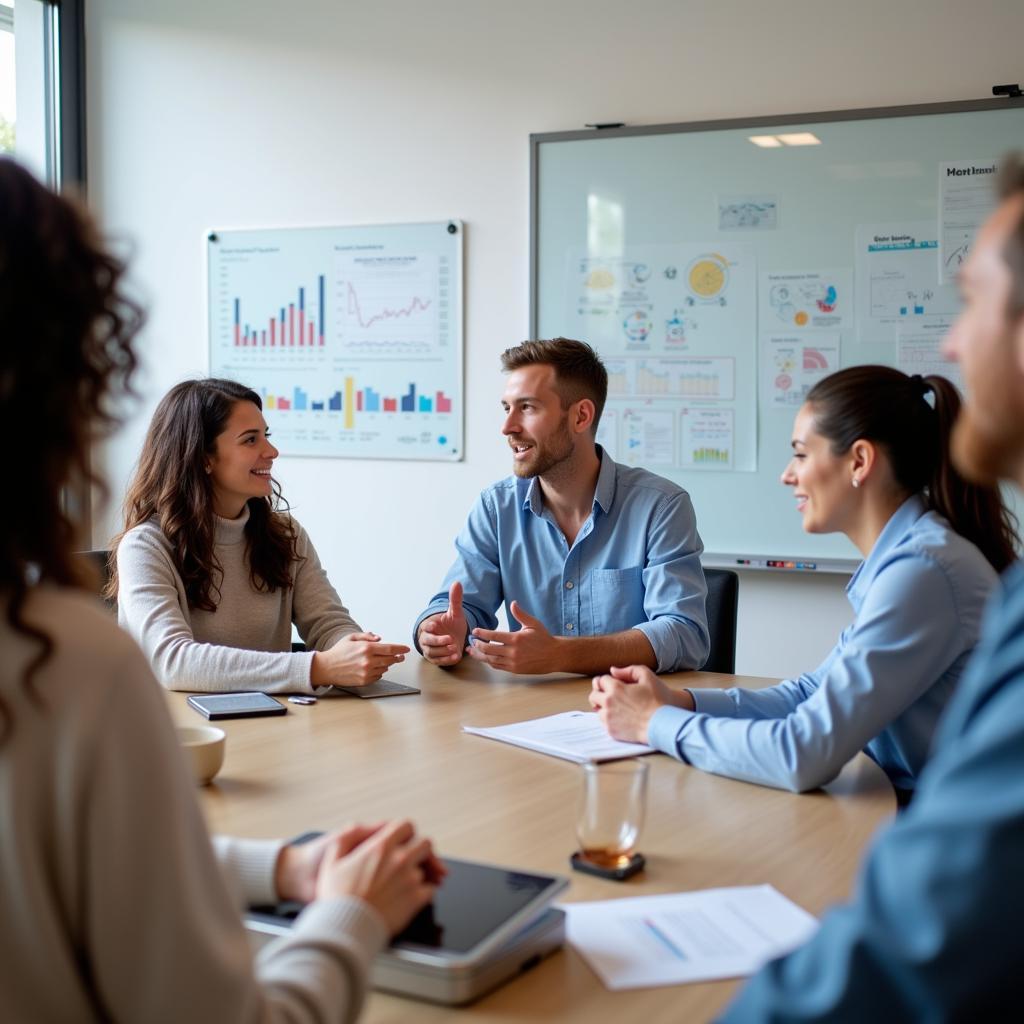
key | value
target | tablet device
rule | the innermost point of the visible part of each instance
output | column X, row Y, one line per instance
column 476, row 910
column 235, row 705
column 381, row 688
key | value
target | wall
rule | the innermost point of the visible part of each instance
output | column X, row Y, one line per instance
column 317, row 112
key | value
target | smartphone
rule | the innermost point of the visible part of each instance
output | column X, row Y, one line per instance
column 381, row 688
column 236, row 705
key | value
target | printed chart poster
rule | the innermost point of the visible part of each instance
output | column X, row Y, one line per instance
column 810, row 300
column 676, row 326
column 353, row 336
column 647, row 437
column 966, row 198
column 897, row 279
column 920, row 352
column 707, row 438
column 792, row 365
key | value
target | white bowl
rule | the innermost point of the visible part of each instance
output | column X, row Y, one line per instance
column 204, row 748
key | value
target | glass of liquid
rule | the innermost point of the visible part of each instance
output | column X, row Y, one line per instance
column 613, row 799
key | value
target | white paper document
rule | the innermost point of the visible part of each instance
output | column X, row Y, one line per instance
column 792, row 364
column 966, row 198
column 573, row 735
column 921, row 352
column 806, row 300
column 897, row 279
column 687, row 936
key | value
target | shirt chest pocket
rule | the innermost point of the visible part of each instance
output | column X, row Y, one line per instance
column 617, row 599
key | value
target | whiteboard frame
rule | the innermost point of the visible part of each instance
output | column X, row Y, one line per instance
column 801, row 564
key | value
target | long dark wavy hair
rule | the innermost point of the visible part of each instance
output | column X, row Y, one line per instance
column 883, row 405
column 66, row 332
column 172, row 488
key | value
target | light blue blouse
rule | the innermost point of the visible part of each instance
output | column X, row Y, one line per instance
column 918, row 599
column 933, row 932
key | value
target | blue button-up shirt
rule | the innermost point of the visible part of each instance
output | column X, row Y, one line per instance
column 933, row 932
column 635, row 564
column 918, row 599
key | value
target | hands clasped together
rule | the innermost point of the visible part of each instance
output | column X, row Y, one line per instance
column 626, row 701
column 386, row 865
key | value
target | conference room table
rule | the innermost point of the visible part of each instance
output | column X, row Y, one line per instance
column 347, row 760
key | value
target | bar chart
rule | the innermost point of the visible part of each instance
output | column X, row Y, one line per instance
column 286, row 328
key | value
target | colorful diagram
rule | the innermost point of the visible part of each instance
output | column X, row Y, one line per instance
column 707, row 277
column 815, row 360
column 796, row 305
column 637, row 326
column 678, row 329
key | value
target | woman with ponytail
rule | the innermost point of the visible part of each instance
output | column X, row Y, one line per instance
column 871, row 460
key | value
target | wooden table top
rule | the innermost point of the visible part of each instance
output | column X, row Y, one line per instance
column 347, row 760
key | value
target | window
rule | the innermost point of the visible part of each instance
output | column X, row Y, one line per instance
column 42, row 101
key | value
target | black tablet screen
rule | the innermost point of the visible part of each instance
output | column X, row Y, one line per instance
column 472, row 902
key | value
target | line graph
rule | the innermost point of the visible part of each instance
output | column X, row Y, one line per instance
column 354, row 308
column 391, row 307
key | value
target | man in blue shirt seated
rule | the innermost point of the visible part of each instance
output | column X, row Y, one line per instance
column 935, row 930
column 599, row 564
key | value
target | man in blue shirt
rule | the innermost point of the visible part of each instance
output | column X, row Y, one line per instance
column 934, row 931
column 598, row 564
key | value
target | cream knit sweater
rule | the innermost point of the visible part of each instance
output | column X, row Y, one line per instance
column 246, row 643
column 114, row 906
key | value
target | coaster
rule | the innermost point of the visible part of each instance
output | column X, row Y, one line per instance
column 588, row 867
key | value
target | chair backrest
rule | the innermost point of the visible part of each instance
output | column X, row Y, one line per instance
column 100, row 559
column 723, row 599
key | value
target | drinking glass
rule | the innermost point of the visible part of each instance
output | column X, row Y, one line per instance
column 613, row 799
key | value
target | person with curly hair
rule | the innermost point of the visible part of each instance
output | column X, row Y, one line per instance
column 116, row 906
column 211, row 570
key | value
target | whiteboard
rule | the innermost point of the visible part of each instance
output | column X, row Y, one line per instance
column 351, row 335
column 719, row 279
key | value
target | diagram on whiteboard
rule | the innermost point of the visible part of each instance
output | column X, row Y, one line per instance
column 353, row 336
column 792, row 365
column 676, row 326
column 807, row 300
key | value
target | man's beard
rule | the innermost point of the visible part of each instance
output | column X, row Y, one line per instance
column 987, row 451
column 552, row 453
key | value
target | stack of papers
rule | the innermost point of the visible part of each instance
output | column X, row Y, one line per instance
column 573, row 735
column 687, row 936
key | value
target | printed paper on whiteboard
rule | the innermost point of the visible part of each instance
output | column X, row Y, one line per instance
column 920, row 351
column 792, row 364
column 966, row 198
column 806, row 300
column 897, row 279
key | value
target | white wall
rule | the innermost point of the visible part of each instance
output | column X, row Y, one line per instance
column 232, row 113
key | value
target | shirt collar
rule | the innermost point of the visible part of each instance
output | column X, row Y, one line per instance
column 892, row 533
column 604, row 493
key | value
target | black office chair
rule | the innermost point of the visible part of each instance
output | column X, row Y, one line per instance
column 723, row 599
column 100, row 559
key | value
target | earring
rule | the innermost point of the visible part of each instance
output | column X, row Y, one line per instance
column 856, row 482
